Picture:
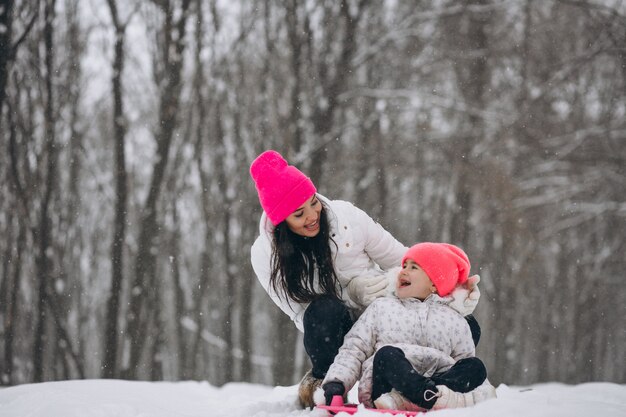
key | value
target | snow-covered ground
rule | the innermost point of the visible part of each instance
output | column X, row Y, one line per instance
column 111, row 398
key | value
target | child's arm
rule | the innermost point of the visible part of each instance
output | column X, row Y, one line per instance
column 358, row 345
column 462, row 343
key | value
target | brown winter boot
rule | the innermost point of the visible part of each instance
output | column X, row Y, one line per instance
column 308, row 385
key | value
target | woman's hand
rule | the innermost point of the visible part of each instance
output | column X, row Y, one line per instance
column 364, row 290
column 464, row 298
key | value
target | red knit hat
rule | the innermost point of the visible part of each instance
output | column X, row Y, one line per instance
column 282, row 188
column 446, row 265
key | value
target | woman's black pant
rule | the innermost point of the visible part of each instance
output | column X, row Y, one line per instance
column 326, row 321
column 393, row 370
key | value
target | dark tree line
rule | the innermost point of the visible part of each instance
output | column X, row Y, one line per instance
column 127, row 212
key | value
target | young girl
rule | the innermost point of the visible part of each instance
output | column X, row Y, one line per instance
column 413, row 352
column 321, row 261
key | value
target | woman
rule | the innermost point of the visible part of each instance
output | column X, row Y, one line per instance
column 321, row 261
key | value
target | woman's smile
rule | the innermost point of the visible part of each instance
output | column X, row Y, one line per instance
column 313, row 226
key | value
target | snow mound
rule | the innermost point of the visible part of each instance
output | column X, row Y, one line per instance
column 114, row 398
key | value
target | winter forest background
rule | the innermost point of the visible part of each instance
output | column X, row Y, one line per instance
column 127, row 211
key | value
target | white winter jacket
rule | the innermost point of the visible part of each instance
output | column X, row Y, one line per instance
column 364, row 248
column 432, row 335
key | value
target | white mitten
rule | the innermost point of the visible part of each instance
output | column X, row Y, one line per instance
column 392, row 278
column 464, row 298
column 365, row 289
column 318, row 396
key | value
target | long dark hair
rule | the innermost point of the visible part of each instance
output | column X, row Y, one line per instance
column 295, row 258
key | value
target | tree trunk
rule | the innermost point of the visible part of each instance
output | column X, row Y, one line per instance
column 179, row 294
column 219, row 149
column 199, row 296
column 43, row 233
column 334, row 85
column 472, row 80
column 6, row 49
column 140, row 314
column 10, row 325
column 109, row 366
column 284, row 349
column 296, row 41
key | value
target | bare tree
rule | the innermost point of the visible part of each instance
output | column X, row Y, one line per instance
column 42, row 234
column 6, row 48
column 143, row 293
column 201, row 110
column 11, row 275
column 110, row 366
column 8, row 45
column 331, row 79
column 9, row 303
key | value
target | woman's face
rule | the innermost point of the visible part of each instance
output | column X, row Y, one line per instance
column 412, row 282
column 305, row 220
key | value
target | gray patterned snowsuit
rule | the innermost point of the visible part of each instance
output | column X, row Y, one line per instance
column 432, row 335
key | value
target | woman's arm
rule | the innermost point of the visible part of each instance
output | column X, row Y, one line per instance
column 380, row 245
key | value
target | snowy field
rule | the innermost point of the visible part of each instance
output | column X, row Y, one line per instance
column 110, row 398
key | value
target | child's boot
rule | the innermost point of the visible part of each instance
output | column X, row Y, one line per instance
column 446, row 398
column 393, row 400
column 483, row 392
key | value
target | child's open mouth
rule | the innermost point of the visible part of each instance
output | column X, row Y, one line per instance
column 404, row 283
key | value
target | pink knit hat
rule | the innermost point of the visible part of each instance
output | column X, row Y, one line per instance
column 445, row 264
column 282, row 188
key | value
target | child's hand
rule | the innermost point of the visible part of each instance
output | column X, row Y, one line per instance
column 331, row 389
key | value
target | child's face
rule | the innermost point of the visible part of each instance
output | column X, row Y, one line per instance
column 412, row 282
